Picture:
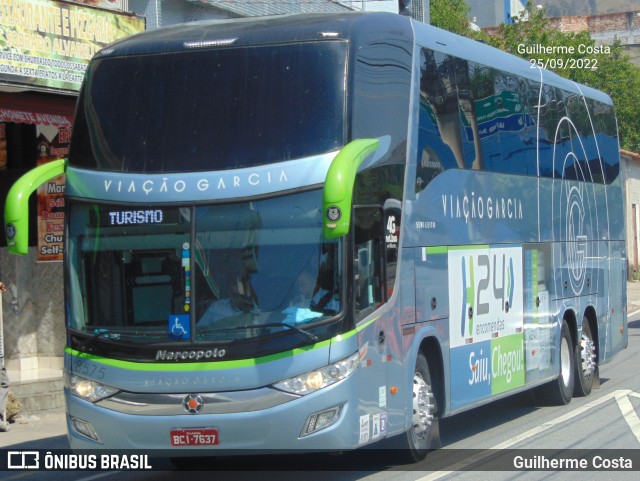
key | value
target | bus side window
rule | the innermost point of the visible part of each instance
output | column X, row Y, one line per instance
column 368, row 251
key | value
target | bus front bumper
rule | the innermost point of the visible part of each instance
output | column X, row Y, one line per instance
column 287, row 427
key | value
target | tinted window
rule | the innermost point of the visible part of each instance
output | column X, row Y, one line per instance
column 211, row 109
column 439, row 138
column 604, row 126
column 475, row 117
column 382, row 84
column 228, row 272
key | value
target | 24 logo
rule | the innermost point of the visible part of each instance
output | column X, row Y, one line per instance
column 486, row 279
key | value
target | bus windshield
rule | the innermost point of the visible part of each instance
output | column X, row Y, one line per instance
column 219, row 272
column 211, row 109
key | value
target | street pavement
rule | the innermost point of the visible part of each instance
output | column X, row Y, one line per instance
column 48, row 430
column 40, row 430
column 633, row 297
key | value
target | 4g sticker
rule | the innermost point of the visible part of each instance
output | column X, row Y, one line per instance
column 391, row 237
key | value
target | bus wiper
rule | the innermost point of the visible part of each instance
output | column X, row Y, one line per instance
column 98, row 333
column 306, row 334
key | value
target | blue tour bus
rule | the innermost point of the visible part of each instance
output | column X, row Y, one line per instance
column 318, row 232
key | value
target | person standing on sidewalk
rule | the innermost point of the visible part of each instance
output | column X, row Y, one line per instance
column 4, row 382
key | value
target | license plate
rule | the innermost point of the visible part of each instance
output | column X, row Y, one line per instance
column 194, row 437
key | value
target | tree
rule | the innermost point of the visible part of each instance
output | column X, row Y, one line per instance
column 577, row 57
column 621, row 80
column 450, row 15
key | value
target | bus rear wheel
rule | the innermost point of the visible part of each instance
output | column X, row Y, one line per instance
column 560, row 390
column 586, row 363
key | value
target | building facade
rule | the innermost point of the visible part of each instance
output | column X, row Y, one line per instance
column 606, row 28
column 489, row 13
column 631, row 168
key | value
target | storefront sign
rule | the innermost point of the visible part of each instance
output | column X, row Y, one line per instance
column 29, row 108
column 53, row 143
column 45, row 43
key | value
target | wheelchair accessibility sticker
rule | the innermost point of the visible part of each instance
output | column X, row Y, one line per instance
column 180, row 326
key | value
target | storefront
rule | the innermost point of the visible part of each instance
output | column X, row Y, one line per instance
column 45, row 46
column 36, row 128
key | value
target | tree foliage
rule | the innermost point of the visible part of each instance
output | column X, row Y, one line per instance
column 572, row 55
column 576, row 56
column 450, row 15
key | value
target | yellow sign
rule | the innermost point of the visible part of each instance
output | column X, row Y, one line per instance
column 49, row 44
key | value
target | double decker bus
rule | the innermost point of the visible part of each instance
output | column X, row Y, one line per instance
column 319, row 232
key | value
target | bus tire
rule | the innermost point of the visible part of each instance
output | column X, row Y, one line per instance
column 415, row 443
column 560, row 391
column 586, row 362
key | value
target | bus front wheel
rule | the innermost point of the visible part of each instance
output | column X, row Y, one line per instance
column 414, row 444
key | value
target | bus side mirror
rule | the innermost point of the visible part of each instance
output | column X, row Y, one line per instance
column 16, row 209
column 338, row 187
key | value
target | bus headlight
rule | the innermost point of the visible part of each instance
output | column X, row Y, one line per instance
column 86, row 389
column 320, row 378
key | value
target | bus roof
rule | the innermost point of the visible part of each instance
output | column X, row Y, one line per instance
column 467, row 49
column 358, row 27
column 262, row 31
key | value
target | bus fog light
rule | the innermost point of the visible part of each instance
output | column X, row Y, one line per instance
column 84, row 428
column 321, row 420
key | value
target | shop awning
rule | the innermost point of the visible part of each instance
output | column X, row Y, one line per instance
column 27, row 108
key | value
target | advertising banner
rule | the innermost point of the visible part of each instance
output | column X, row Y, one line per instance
column 485, row 289
column 53, row 143
column 47, row 44
column 486, row 322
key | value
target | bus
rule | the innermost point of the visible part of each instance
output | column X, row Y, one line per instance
column 320, row 232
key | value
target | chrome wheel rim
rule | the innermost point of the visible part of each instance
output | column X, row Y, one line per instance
column 588, row 356
column 423, row 411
